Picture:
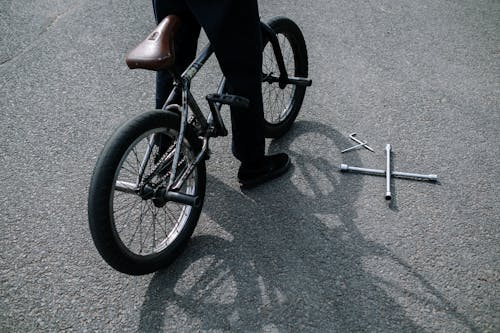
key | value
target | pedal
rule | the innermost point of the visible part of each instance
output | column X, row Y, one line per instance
column 231, row 100
column 299, row 81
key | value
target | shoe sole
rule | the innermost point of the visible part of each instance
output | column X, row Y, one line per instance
column 261, row 180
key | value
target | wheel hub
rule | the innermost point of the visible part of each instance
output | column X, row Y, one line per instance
column 158, row 199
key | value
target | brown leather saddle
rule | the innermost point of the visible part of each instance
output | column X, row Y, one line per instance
column 156, row 52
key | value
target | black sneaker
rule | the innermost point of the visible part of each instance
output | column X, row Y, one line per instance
column 271, row 167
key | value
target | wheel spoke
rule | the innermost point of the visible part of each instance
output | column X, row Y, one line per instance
column 277, row 100
column 282, row 104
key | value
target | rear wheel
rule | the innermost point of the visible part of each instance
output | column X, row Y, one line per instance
column 282, row 104
column 135, row 229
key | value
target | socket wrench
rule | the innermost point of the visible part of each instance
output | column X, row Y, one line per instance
column 388, row 195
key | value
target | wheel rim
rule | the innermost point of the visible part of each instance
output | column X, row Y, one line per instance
column 277, row 102
column 143, row 227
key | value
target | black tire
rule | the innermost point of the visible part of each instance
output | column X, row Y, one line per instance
column 281, row 106
column 142, row 244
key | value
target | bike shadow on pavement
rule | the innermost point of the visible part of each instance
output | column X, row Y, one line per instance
column 288, row 256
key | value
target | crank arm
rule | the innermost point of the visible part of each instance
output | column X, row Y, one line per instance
column 126, row 187
column 186, row 199
column 215, row 101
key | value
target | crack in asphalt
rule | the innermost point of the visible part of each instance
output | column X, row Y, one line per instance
column 43, row 30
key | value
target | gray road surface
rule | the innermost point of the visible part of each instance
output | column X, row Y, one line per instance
column 316, row 251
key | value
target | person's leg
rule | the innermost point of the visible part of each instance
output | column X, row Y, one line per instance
column 234, row 31
column 233, row 28
column 186, row 42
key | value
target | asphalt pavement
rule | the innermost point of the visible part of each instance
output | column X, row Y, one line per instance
column 316, row 250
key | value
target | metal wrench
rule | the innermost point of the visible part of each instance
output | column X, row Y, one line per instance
column 397, row 174
column 352, row 136
column 388, row 195
column 353, row 147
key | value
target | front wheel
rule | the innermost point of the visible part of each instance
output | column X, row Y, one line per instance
column 282, row 104
column 136, row 230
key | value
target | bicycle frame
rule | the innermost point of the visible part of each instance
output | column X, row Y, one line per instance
column 212, row 126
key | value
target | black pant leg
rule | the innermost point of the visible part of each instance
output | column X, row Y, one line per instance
column 233, row 28
column 186, row 42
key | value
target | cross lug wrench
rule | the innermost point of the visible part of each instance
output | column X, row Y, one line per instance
column 396, row 174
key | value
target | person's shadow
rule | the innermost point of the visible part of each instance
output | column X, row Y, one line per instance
column 289, row 256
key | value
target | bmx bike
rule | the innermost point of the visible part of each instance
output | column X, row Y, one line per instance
column 148, row 185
